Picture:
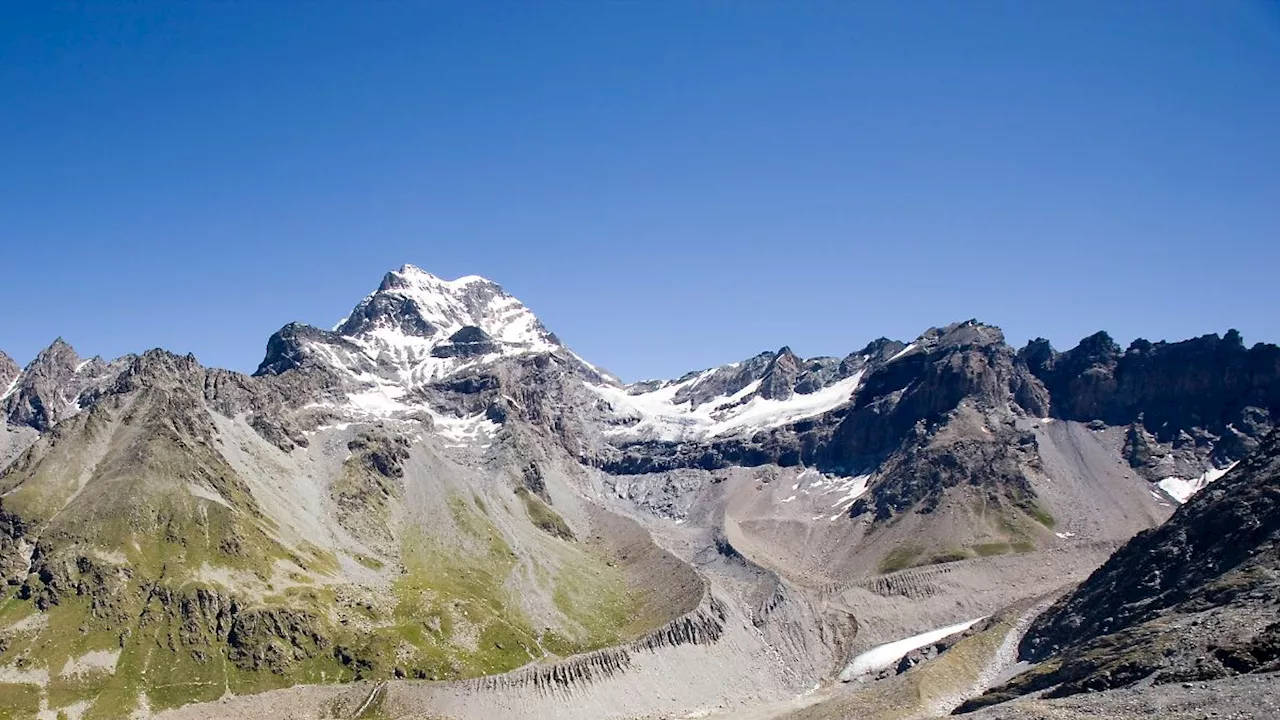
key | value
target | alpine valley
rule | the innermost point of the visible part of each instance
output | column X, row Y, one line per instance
column 437, row 510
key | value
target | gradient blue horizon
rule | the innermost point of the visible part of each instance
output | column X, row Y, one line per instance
column 668, row 186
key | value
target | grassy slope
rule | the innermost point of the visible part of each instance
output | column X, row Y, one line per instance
column 119, row 571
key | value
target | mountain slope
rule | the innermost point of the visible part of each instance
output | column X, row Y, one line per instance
column 1197, row 598
column 192, row 533
column 439, row 489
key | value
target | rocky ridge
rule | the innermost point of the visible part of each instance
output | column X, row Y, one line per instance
column 433, row 489
column 1195, row 599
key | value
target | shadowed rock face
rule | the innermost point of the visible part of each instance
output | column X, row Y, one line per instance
column 779, row 380
column 470, row 341
column 1207, row 383
column 288, row 348
column 1195, row 599
column 919, row 476
column 963, row 361
column 49, row 389
column 37, row 401
column 391, row 311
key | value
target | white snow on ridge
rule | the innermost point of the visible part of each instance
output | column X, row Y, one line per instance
column 448, row 306
column 388, row 360
column 1181, row 489
column 12, row 387
column 593, row 368
column 386, row 401
column 760, row 412
column 451, row 305
column 886, row 655
column 661, row 418
column 903, row 351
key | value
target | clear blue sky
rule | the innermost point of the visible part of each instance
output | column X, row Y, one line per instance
column 668, row 185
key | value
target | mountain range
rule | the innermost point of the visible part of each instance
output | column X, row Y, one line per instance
column 437, row 509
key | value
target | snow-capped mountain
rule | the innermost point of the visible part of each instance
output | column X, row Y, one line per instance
column 415, row 315
column 53, row 386
column 439, row 488
column 767, row 391
column 416, row 330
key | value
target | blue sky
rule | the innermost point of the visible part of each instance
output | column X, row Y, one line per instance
column 668, row 185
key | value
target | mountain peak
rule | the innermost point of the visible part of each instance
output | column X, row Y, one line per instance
column 9, row 372
column 414, row 327
column 59, row 353
column 413, row 277
column 412, row 307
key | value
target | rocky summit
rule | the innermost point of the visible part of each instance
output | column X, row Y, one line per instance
column 437, row 509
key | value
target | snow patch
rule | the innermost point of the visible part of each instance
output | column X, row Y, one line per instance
column 659, row 417
column 380, row 401
column 881, row 657
column 854, row 488
column 464, row 431
column 1182, row 490
column 450, row 305
column 902, row 352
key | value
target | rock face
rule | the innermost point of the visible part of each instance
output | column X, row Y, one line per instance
column 1187, row 408
column 1208, row 389
column 38, row 400
column 470, row 341
column 9, row 371
column 1197, row 598
column 967, row 361
column 290, row 346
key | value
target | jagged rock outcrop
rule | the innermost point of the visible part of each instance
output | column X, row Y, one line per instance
column 38, row 400
column 275, row 638
column 995, row 466
column 389, row 311
column 1194, row 599
column 369, row 483
column 1208, row 384
column 779, row 379
column 9, row 371
column 48, row 389
column 292, row 345
column 963, row 361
